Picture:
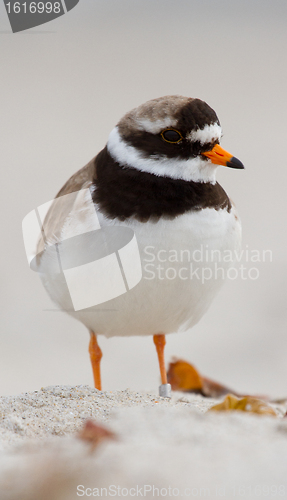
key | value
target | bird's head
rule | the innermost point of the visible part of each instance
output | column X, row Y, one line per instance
column 172, row 136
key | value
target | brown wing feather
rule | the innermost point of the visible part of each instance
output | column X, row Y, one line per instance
column 55, row 218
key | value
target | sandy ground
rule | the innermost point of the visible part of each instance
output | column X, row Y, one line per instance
column 163, row 448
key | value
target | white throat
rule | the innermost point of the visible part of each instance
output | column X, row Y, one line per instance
column 195, row 169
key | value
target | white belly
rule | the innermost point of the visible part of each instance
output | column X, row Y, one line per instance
column 178, row 283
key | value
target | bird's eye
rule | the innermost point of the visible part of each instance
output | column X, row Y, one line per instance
column 171, row 135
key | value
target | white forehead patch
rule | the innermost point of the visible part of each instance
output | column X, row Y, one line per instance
column 195, row 169
column 155, row 127
column 206, row 135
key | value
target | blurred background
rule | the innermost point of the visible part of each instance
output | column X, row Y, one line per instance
column 64, row 85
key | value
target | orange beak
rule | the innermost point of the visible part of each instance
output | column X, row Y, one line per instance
column 221, row 157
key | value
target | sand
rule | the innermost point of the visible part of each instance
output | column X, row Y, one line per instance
column 163, row 448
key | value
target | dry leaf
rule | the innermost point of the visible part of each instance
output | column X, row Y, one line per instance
column 247, row 404
column 94, row 433
column 213, row 389
column 182, row 376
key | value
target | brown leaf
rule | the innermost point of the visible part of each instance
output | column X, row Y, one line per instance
column 213, row 389
column 182, row 376
column 247, row 404
column 94, row 433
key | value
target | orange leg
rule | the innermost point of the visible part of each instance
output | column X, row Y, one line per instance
column 159, row 341
column 95, row 356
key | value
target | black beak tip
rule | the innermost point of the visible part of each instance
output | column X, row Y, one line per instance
column 234, row 163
